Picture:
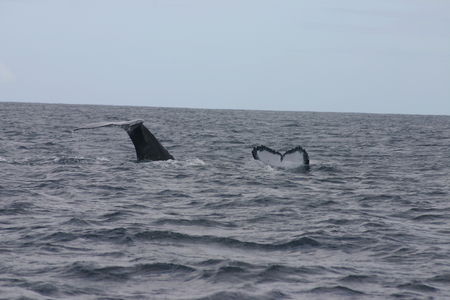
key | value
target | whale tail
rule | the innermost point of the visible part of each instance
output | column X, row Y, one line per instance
column 296, row 157
column 146, row 145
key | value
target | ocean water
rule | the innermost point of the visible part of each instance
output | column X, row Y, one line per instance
column 81, row 219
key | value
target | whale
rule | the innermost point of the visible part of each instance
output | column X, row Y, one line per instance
column 147, row 146
column 293, row 158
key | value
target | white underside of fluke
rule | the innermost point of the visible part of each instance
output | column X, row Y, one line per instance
column 289, row 161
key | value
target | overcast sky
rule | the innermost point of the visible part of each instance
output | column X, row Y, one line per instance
column 383, row 56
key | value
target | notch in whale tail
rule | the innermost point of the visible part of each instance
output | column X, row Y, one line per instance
column 146, row 145
column 296, row 157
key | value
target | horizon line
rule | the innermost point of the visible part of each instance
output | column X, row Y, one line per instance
column 234, row 109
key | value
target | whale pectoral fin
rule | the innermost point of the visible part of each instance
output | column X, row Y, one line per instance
column 145, row 143
column 123, row 124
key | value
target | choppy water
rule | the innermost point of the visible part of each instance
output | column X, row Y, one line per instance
column 80, row 219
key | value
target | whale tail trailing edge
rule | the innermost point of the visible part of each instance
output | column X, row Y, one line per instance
column 296, row 157
column 145, row 143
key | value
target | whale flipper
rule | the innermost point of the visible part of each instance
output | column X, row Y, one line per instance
column 146, row 145
column 295, row 157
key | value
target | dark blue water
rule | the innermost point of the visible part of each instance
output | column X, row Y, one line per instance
column 80, row 219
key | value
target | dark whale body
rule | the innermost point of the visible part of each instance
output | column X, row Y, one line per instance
column 146, row 144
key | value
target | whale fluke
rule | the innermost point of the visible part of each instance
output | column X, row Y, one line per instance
column 296, row 157
column 146, row 145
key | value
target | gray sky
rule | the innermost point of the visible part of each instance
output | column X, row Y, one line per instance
column 384, row 56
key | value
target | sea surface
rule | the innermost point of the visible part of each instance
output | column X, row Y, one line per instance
column 81, row 219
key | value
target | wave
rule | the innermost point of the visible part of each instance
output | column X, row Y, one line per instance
column 430, row 217
column 337, row 290
column 92, row 271
column 418, row 286
column 358, row 279
column 195, row 222
column 444, row 278
column 122, row 235
column 225, row 295
column 303, row 242
column 115, row 216
column 17, row 208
